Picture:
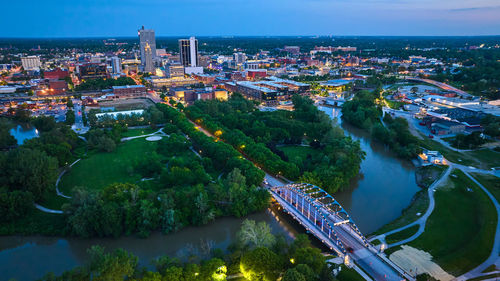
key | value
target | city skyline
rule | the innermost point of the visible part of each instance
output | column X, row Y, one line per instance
column 241, row 18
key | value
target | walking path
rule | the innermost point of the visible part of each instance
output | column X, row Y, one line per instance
column 422, row 220
column 493, row 259
column 47, row 210
column 159, row 132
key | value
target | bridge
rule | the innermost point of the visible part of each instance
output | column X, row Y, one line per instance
column 328, row 221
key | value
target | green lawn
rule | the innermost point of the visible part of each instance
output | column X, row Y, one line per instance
column 349, row 274
column 100, row 169
column 488, row 157
column 459, row 234
column 36, row 222
column 420, row 203
column 293, row 151
column 490, row 182
column 403, row 234
column 138, row 132
column 52, row 201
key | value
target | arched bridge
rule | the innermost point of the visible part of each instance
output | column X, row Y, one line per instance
column 325, row 218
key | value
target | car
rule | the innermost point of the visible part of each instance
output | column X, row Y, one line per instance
column 431, row 136
column 350, row 250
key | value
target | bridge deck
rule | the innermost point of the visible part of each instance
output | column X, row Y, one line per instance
column 345, row 239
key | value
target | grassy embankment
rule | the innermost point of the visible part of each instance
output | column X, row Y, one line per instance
column 460, row 232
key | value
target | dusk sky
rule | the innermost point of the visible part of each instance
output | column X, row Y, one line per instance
column 93, row 18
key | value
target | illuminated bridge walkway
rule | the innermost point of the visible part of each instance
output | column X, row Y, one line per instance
column 325, row 218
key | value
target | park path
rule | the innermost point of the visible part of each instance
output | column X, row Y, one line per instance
column 420, row 221
column 47, row 210
column 159, row 132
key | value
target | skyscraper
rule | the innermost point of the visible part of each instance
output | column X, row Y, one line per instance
column 147, row 44
column 148, row 59
column 188, row 50
column 116, row 65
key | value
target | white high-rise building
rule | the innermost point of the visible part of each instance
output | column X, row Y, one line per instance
column 239, row 58
column 116, row 65
column 147, row 44
column 188, row 51
column 31, row 63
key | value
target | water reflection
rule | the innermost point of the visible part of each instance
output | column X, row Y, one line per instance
column 384, row 187
column 23, row 132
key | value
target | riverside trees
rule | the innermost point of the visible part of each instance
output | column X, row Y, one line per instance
column 257, row 134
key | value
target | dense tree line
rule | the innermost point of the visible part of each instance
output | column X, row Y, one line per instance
column 28, row 172
column 397, row 136
column 184, row 192
column 256, row 134
column 363, row 112
column 257, row 254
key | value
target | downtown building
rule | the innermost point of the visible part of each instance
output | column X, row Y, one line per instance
column 188, row 53
column 147, row 44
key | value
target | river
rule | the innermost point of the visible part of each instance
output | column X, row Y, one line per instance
column 383, row 189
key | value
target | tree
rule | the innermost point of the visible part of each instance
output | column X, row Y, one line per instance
column 111, row 267
column 255, row 235
column 70, row 117
column 293, row 275
column 29, row 170
column 260, row 264
column 44, row 123
column 6, row 139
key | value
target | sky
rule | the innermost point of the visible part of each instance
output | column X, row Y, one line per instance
column 117, row 18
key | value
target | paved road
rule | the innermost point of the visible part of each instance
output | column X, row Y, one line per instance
column 78, row 127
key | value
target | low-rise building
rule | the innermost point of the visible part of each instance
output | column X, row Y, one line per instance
column 129, row 91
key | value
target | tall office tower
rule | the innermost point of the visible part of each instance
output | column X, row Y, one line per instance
column 147, row 38
column 116, row 65
column 148, row 59
column 188, row 50
column 239, row 58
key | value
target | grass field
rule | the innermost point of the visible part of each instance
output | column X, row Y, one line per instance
column 459, row 234
column 138, row 132
column 100, row 169
column 420, row 203
column 490, row 182
column 349, row 274
column 36, row 222
column 398, row 236
column 298, row 151
column 52, row 201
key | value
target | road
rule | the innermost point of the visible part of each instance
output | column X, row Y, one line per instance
column 78, row 127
